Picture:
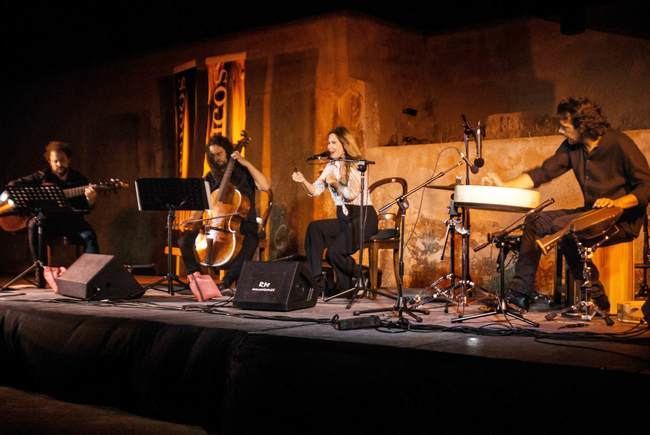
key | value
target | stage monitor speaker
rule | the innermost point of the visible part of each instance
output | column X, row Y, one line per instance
column 97, row 277
column 274, row 286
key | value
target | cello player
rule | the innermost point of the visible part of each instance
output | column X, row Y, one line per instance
column 245, row 178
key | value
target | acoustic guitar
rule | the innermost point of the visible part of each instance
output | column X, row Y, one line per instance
column 12, row 219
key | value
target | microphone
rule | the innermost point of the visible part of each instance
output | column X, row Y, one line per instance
column 466, row 126
column 478, row 161
column 469, row 164
column 322, row 156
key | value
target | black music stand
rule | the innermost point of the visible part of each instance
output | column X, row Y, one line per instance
column 36, row 200
column 171, row 194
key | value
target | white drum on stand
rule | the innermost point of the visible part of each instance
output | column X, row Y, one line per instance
column 496, row 198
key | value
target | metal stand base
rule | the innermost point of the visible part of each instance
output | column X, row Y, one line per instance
column 170, row 277
column 40, row 281
column 358, row 289
column 502, row 308
column 400, row 308
column 169, row 281
column 587, row 311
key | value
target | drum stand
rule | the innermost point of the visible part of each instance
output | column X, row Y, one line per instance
column 462, row 226
column 502, row 243
column 446, row 294
column 585, row 309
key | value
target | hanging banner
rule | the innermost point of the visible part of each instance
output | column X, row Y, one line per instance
column 185, row 97
column 226, row 97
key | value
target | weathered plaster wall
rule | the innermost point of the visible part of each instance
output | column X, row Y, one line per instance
column 505, row 157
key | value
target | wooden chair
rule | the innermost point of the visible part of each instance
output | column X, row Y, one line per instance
column 387, row 237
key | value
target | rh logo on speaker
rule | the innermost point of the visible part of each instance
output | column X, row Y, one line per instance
column 263, row 286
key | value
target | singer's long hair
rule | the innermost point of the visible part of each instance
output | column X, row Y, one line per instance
column 348, row 141
column 350, row 147
column 586, row 116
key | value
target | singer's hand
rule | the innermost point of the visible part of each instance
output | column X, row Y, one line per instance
column 604, row 203
column 492, row 178
column 298, row 177
column 331, row 180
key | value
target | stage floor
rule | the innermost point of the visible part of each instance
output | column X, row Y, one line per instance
column 561, row 340
column 212, row 365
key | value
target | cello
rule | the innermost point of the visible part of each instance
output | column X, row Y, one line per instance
column 221, row 240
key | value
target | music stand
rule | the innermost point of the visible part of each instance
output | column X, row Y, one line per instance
column 36, row 200
column 171, row 194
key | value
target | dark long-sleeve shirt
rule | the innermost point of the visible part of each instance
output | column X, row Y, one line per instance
column 615, row 168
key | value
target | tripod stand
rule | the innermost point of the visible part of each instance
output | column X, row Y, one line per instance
column 401, row 305
column 171, row 194
column 36, row 200
column 501, row 241
column 445, row 294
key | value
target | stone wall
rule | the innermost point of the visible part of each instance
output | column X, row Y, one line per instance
column 425, row 226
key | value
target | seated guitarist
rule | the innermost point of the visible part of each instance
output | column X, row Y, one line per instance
column 245, row 178
column 59, row 173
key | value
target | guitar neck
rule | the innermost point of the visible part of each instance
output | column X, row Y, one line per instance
column 75, row 191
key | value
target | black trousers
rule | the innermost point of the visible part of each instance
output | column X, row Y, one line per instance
column 340, row 237
column 250, row 242
column 71, row 226
column 548, row 222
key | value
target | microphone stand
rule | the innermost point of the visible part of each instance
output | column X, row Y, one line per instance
column 360, row 284
column 466, row 282
column 401, row 305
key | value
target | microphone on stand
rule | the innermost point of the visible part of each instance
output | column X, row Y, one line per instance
column 478, row 161
column 466, row 126
column 325, row 155
column 469, row 164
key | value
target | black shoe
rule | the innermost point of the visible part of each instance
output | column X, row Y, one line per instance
column 518, row 299
column 601, row 302
column 225, row 290
column 541, row 303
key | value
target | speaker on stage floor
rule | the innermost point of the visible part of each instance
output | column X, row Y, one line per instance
column 96, row 277
column 275, row 286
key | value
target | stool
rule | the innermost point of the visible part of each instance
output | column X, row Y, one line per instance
column 615, row 264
